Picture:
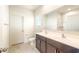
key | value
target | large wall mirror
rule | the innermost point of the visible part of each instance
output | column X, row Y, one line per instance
column 71, row 22
column 65, row 18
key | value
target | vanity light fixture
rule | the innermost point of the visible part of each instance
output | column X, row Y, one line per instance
column 69, row 9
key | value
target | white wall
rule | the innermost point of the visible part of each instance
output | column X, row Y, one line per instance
column 28, row 20
column 4, row 26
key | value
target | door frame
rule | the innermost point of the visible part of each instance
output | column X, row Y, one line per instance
column 22, row 30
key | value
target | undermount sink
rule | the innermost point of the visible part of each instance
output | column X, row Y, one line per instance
column 52, row 34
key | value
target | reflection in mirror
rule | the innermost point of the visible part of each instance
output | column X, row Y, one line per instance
column 51, row 23
column 71, row 21
column 38, row 23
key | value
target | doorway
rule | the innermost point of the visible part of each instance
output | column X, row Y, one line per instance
column 16, row 29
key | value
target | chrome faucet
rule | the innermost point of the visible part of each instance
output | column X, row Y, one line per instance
column 46, row 31
column 63, row 36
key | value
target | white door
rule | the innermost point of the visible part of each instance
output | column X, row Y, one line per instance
column 16, row 29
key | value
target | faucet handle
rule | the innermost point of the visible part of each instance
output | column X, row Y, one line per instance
column 63, row 36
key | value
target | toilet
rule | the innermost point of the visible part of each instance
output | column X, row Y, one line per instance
column 32, row 41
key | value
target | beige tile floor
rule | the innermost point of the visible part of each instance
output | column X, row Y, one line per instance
column 23, row 48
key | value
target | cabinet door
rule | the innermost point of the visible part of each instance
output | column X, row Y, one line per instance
column 38, row 44
column 51, row 49
column 43, row 46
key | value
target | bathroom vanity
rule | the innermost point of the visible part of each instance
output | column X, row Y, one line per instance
column 54, row 43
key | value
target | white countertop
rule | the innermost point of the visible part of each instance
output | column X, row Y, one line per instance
column 70, row 39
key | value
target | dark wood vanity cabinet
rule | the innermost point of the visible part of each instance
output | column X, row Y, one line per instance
column 51, row 49
column 46, row 45
column 38, row 44
column 41, row 44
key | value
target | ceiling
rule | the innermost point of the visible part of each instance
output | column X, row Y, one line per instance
column 67, row 8
column 30, row 7
column 63, row 9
